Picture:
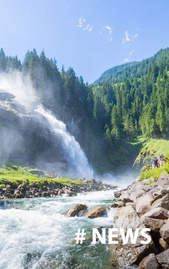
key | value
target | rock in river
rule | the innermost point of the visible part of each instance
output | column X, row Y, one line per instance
column 74, row 211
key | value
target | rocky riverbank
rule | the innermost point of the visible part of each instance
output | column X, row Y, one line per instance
column 50, row 190
column 144, row 204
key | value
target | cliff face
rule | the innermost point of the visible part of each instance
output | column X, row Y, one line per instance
column 26, row 138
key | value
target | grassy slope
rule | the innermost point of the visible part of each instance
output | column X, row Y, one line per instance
column 18, row 175
column 151, row 149
column 154, row 173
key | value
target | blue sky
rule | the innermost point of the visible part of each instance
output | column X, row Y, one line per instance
column 88, row 35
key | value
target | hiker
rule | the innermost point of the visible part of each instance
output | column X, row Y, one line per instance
column 161, row 159
column 155, row 162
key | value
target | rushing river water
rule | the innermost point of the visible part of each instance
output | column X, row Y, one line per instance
column 35, row 234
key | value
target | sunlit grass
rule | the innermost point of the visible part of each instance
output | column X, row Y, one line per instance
column 151, row 149
column 18, row 175
column 154, row 173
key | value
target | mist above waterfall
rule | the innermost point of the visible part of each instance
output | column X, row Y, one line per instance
column 44, row 129
column 21, row 87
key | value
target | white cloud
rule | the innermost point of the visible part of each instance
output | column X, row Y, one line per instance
column 131, row 52
column 128, row 38
column 109, row 29
column 82, row 24
column 88, row 28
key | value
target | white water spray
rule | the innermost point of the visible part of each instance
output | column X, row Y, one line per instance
column 21, row 87
column 76, row 158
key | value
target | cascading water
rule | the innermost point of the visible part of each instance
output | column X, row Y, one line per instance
column 76, row 158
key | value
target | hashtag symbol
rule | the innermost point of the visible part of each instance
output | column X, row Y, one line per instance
column 80, row 236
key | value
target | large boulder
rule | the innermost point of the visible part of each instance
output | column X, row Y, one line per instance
column 164, row 231
column 157, row 213
column 143, row 204
column 157, row 192
column 126, row 217
column 154, row 224
column 75, row 210
column 134, row 191
column 96, row 212
column 129, row 254
column 162, row 202
column 149, row 262
column 163, row 259
column 155, row 218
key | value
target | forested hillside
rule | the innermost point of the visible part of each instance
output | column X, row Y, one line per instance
column 135, row 98
column 125, row 102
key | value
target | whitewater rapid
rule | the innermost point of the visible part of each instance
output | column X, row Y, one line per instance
column 35, row 233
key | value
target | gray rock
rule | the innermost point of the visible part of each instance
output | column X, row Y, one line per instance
column 143, row 204
column 154, row 224
column 133, row 192
column 157, row 213
column 117, row 194
column 156, row 193
column 18, row 194
column 117, row 204
column 45, row 194
column 129, row 254
column 126, row 217
column 73, row 211
column 149, row 262
column 163, row 259
column 164, row 231
column 162, row 202
column 96, row 212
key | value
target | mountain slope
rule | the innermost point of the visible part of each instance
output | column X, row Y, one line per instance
column 133, row 69
column 134, row 98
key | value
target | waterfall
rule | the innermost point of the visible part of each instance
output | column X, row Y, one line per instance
column 75, row 156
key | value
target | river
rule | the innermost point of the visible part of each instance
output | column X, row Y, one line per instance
column 35, row 233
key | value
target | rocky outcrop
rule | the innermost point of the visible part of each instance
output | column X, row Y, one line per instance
column 144, row 206
column 129, row 253
column 50, row 190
